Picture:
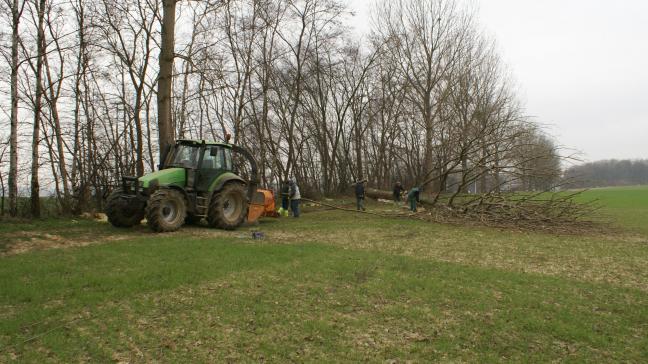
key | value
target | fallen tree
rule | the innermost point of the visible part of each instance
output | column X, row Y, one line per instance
column 549, row 211
column 387, row 195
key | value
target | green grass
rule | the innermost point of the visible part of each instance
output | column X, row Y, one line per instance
column 328, row 287
column 627, row 206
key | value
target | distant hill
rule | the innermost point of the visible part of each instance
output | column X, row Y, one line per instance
column 606, row 173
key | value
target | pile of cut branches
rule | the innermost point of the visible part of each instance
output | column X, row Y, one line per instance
column 545, row 211
column 554, row 212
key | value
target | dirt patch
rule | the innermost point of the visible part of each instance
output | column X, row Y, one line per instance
column 25, row 242
column 21, row 242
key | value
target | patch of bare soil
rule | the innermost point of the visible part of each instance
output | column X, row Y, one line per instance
column 22, row 242
column 25, row 241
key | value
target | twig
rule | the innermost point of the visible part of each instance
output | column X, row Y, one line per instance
column 42, row 334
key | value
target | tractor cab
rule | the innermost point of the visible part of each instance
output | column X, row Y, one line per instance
column 202, row 161
column 198, row 155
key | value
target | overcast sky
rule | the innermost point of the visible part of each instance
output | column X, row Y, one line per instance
column 581, row 67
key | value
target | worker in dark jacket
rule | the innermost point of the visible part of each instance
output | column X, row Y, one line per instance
column 360, row 194
column 413, row 197
column 295, row 197
column 285, row 198
column 398, row 192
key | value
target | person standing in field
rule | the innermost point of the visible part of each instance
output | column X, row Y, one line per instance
column 295, row 197
column 413, row 197
column 285, row 198
column 360, row 194
column 398, row 192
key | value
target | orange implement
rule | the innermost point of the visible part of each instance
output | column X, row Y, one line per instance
column 262, row 204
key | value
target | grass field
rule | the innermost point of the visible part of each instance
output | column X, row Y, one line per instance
column 627, row 206
column 328, row 287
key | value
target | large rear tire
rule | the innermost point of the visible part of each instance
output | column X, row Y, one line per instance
column 123, row 212
column 166, row 210
column 228, row 207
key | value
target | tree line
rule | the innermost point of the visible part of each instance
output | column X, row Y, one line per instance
column 424, row 99
column 607, row 173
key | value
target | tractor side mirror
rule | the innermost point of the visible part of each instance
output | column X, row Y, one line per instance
column 213, row 151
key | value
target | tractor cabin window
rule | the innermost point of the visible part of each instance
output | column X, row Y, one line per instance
column 186, row 156
column 217, row 158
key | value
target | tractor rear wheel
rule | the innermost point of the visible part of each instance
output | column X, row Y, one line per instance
column 166, row 210
column 228, row 207
column 122, row 211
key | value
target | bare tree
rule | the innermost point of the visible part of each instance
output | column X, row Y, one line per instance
column 3, row 152
column 425, row 38
column 41, row 48
column 165, row 78
column 16, row 7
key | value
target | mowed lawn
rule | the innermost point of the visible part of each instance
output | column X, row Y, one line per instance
column 331, row 286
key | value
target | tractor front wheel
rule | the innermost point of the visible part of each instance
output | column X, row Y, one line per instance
column 228, row 207
column 123, row 211
column 166, row 210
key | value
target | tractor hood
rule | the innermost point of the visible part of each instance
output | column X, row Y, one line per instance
column 165, row 177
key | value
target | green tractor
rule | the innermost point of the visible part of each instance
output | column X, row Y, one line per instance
column 197, row 180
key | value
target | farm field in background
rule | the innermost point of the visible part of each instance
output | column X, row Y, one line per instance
column 330, row 286
column 625, row 206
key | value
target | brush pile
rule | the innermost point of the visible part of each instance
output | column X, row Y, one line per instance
column 546, row 211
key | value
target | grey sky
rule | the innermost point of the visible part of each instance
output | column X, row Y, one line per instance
column 581, row 67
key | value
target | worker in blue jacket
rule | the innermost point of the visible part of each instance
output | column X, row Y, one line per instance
column 413, row 197
column 360, row 194
column 295, row 197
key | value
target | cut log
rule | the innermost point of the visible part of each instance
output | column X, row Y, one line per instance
column 388, row 195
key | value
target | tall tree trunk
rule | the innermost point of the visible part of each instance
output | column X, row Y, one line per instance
column 463, row 188
column 165, row 78
column 13, row 143
column 498, row 181
column 56, row 123
column 149, row 145
column 139, row 151
column 3, row 195
column 358, row 146
column 38, row 100
column 78, row 181
column 429, row 165
column 483, row 178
